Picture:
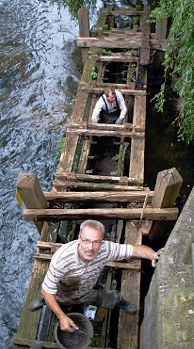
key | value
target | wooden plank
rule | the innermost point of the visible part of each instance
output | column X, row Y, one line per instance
column 72, row 176
column 32, row 319
column 67, row 156
column 104, row 133
column 116, row 42
column 84, row 156
column 116, row 213
column 128, row 328
column 136, row 196
column 30, row 192
column 161, row 28
column 64, row 185
column 145, row 44
column 114, row 265
column 168, row 184
column 121, row 11
column 117, row 58
column 83, row 20
column 99, row 126
column 25, row 343
column 136, row 169
column 122, row 88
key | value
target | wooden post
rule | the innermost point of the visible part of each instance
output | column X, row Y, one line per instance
column 161, row 28
column 29, row 189
column 83, row 19
column 168, row 184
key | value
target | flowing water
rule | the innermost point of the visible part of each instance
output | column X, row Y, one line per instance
column 39, row 73
column 38, row 83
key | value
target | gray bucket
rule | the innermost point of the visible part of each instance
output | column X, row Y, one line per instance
column 80, row 338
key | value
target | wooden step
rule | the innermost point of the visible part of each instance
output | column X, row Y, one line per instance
column 113, row 213
column 136, row 196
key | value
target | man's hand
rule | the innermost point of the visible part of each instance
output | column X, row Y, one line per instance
column 67, row 324
column 158, row 253
column 119, row 121
column 143, row 251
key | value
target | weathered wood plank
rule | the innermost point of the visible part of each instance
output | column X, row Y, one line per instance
column 145, row 44
column 121, row 11
column 104, row 133
column 83, row 20
column 30, row 192
column 98, row 196
column 116, row 213
column 116, row 42
column 67, row 156
column 32, row 319
column 84, row 156
column 168, row 184
column 161, row 28
column 117, row 58
column 122, row 88
column 99, row 126
column 25, row 343
column 115, row 265
column 72, row 176
column 136, row 169
column 128, row 328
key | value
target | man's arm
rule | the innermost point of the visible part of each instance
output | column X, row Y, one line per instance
column 97, row 109
column 66, row 324
column 122, row 107
column 146, row 252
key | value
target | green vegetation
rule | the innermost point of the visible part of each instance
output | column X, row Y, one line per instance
column 178, row 63
column 74, row 6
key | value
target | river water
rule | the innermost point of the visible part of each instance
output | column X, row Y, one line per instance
column 39, row 73
column 38, row 83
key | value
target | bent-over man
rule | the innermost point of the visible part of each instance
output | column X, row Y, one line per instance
column 110, row 108
column 76, row 266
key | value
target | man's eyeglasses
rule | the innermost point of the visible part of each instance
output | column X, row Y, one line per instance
column 95, row 243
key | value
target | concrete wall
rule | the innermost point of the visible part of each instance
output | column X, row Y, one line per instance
column 169, row 305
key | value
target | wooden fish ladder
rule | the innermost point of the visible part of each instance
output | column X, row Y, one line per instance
column 76, row 183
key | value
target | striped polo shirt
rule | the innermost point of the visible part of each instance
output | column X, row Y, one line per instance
column 69, row 278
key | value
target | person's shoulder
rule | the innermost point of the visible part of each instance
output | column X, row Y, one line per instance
column 65, row 250
column 118, row 93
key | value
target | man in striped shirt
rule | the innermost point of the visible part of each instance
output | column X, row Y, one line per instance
column 76, row 266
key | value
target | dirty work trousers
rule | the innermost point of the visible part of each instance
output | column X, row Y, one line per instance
column 102, row 298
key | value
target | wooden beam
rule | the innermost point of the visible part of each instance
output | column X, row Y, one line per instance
column 72, row 176
column 145, row 44
column 115, row 265
column 121, row 11
column 116, row 42
column 167, row 187
column 168, row 184
column 161, row 28
column 104, row 133
column 30, row 192
column 117, row 58
column 83, row 20
column 105, row 127
column 27, row 343
column 135, row 196
column 128, row 327
column 136, row 169
column 122, row 88
column 63, row 185
column 116, row 213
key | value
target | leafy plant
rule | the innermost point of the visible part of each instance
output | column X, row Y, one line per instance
column 178, row 61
